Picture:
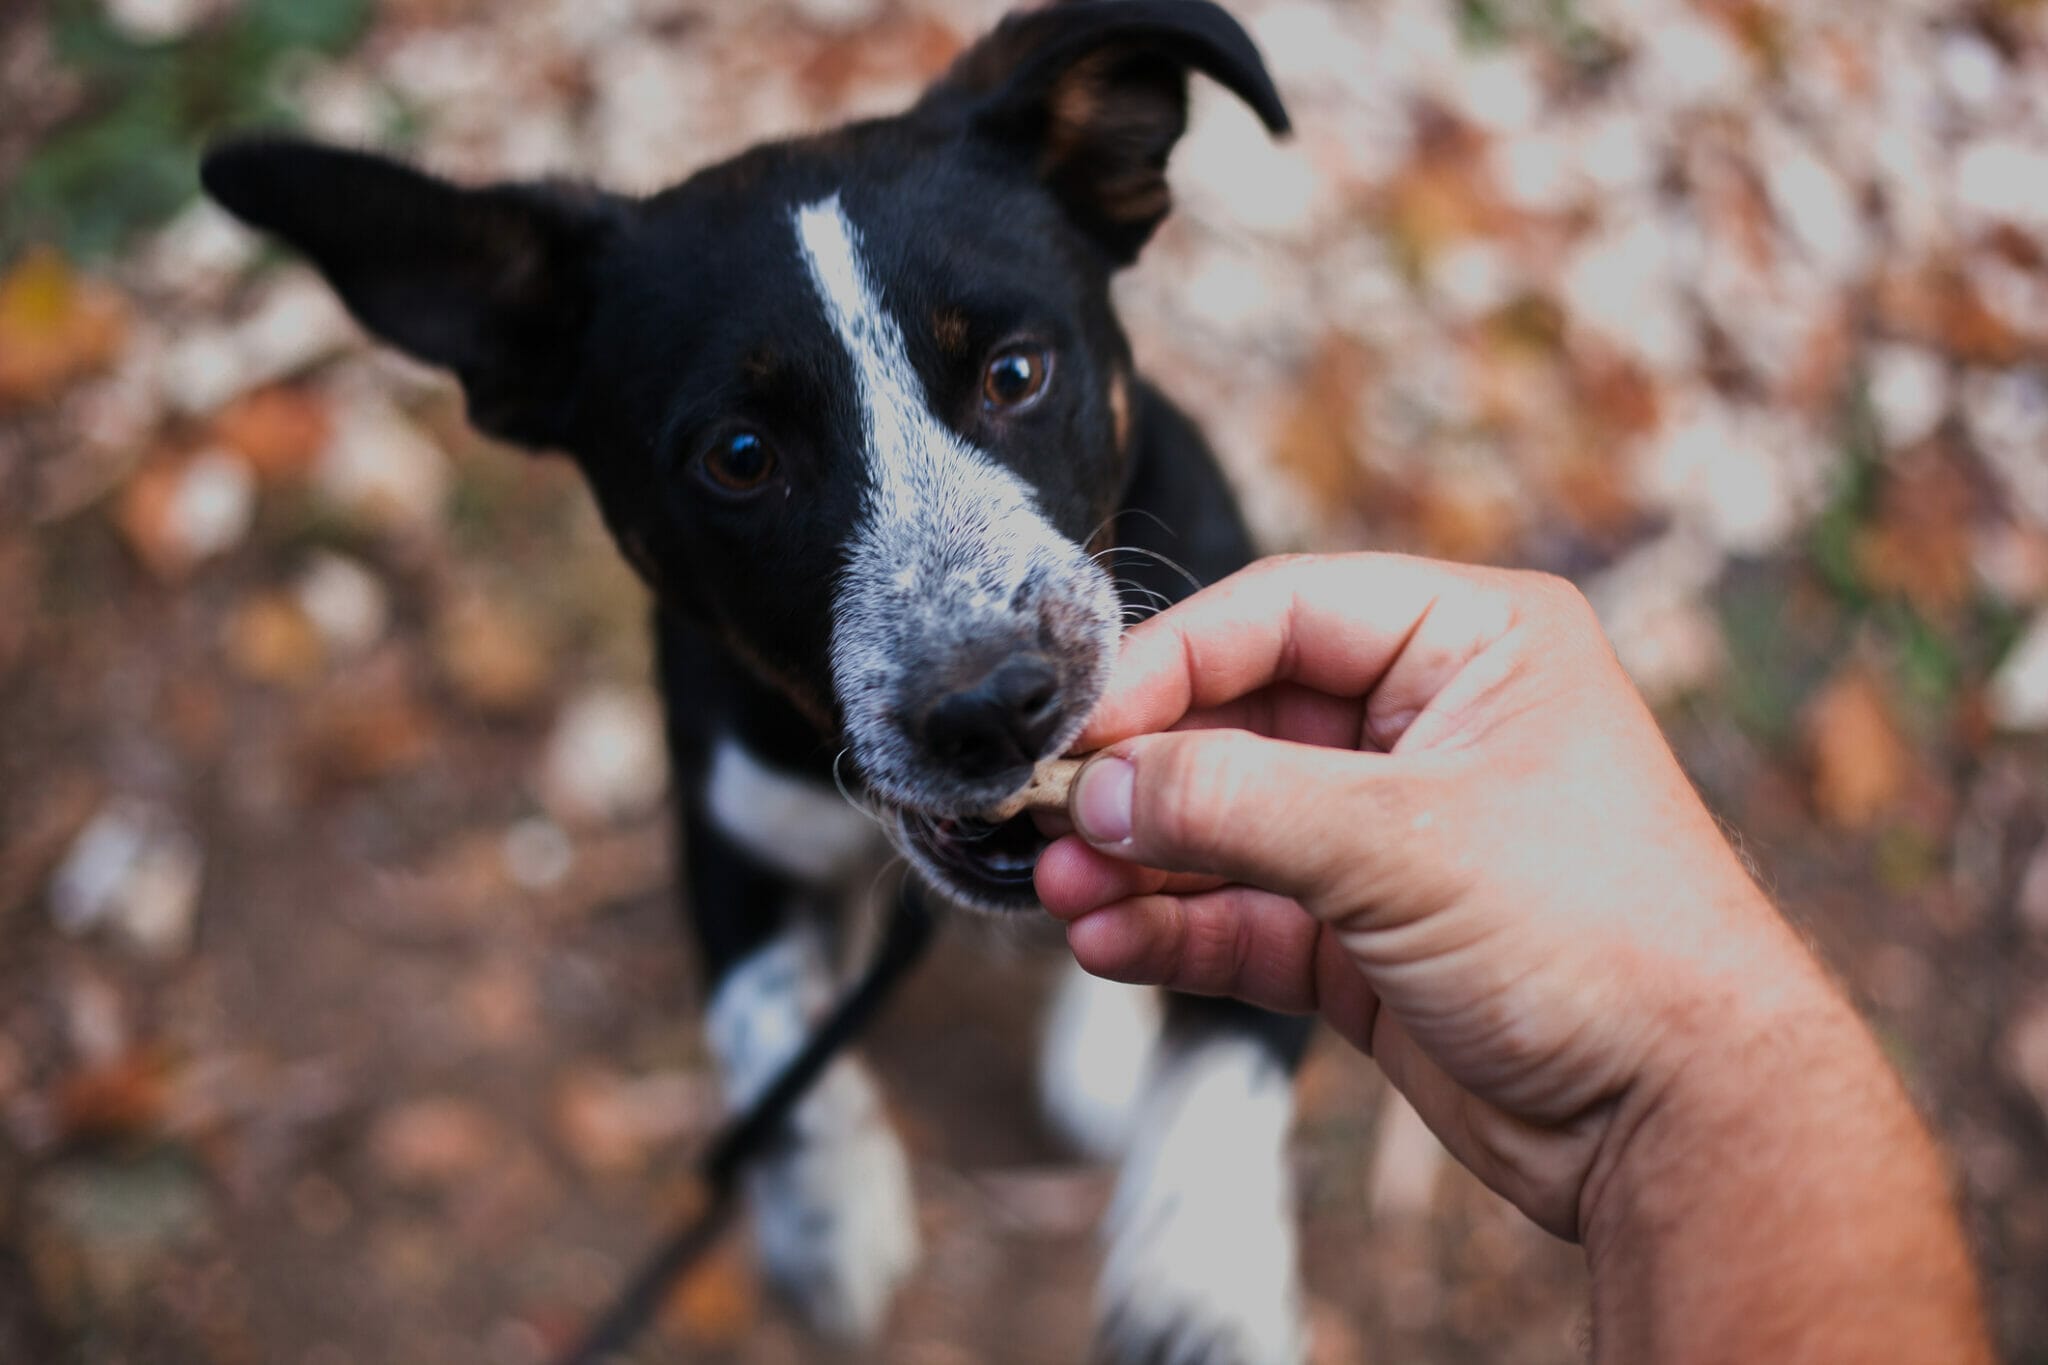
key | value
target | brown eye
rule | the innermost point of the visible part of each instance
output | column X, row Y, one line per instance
column 1015, row 378
column 739, row 463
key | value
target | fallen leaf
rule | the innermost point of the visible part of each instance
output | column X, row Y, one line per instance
column 491, row 654
column 1318, row 441
column 54, row 327
column 135, row 869
column 1920, row 544
column 380, row 469
column 717, row 1303
column 606, row 759
column 1860, row 761
column 177, row 513
column 366, row 727
column 271, row 640
column 345, row 601
column 1757, row 25
column 1465, row 519
column 1443, row 196
column 125, row 1098
column 498, row 1004
column 279, row 430
column 1939, row 306
column 433, row 1142
column 610, row 1124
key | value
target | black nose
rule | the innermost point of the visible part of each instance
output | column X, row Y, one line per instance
column 1002, row 722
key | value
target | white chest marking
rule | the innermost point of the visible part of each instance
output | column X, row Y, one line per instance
column 790, row 823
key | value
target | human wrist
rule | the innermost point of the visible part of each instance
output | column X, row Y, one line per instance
column 1777, row 1197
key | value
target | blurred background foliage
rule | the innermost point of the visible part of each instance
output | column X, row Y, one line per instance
column 124, row 156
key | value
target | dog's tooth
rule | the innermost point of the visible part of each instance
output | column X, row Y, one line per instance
column 1050, row 783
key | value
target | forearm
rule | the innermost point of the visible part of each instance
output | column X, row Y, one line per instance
column 1781, row 1203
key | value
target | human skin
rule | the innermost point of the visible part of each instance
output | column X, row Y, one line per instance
column 1424, row 802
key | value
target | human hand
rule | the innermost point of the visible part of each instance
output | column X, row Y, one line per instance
column 1425, row 802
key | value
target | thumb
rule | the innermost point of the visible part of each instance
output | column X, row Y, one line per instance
column 1295, row 819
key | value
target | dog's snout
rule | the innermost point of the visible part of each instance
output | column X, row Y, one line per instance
column 1002, row 722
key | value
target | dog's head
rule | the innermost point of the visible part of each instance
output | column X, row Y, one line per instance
column 858, row 401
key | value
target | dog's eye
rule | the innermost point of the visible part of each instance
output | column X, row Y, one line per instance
column 739, row 462
column 1015, row 378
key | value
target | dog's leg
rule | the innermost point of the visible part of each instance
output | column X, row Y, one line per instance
column 835, row 1220
column 1098, row 1043
column 1201, row 1242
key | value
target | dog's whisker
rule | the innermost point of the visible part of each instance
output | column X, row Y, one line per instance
column 1194, row 583
column 1144, row 512
column 846, row 793
column 1139, row 596
column 898, row 863
column 1152, row 595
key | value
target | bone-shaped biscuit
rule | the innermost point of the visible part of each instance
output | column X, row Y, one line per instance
column 1047, row 790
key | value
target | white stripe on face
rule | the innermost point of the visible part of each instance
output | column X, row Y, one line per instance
column 946, row 538
column 910, row 452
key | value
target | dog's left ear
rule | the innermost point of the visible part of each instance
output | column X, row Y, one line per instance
column 1095, row 94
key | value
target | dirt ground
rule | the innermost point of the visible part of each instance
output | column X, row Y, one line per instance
column 344, row 1011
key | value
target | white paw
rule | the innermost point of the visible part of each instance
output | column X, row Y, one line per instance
column 834, row 1215
column 1201, row 1263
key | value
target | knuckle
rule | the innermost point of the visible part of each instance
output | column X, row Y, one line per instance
column 1286, row 562
column 1554, row 600
column 1193, row 785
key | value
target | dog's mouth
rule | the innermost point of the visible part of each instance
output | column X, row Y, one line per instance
column 982, row 864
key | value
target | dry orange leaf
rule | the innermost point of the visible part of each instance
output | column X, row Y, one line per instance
column 125, row 1098
column 176, row 513
column 1939, row 306
column 1860, row 760
column 1433, row 204
column 1921, row 545
column 1318, row 442
column 278, row 430
column 54, row 327
column 271, row 641
column 590, row 1124
column 491, row 654
column 718, row 1302
column 434, row 1141
column 373, row 728
column 144, row 516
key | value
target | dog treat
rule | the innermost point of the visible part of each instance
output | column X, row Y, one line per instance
column 1047, row 790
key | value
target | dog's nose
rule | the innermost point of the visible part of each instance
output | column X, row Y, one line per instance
column 1002, row 722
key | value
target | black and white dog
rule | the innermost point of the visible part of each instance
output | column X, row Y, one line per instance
column 858, row 409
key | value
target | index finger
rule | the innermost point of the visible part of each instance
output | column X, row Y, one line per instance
column 1344, row 625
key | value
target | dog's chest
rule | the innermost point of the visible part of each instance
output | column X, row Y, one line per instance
column 803, row 828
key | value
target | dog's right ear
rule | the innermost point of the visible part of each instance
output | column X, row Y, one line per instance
column 1093, row 95
column 492, row 283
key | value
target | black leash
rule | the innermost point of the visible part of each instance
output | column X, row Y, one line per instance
column 904, row 940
